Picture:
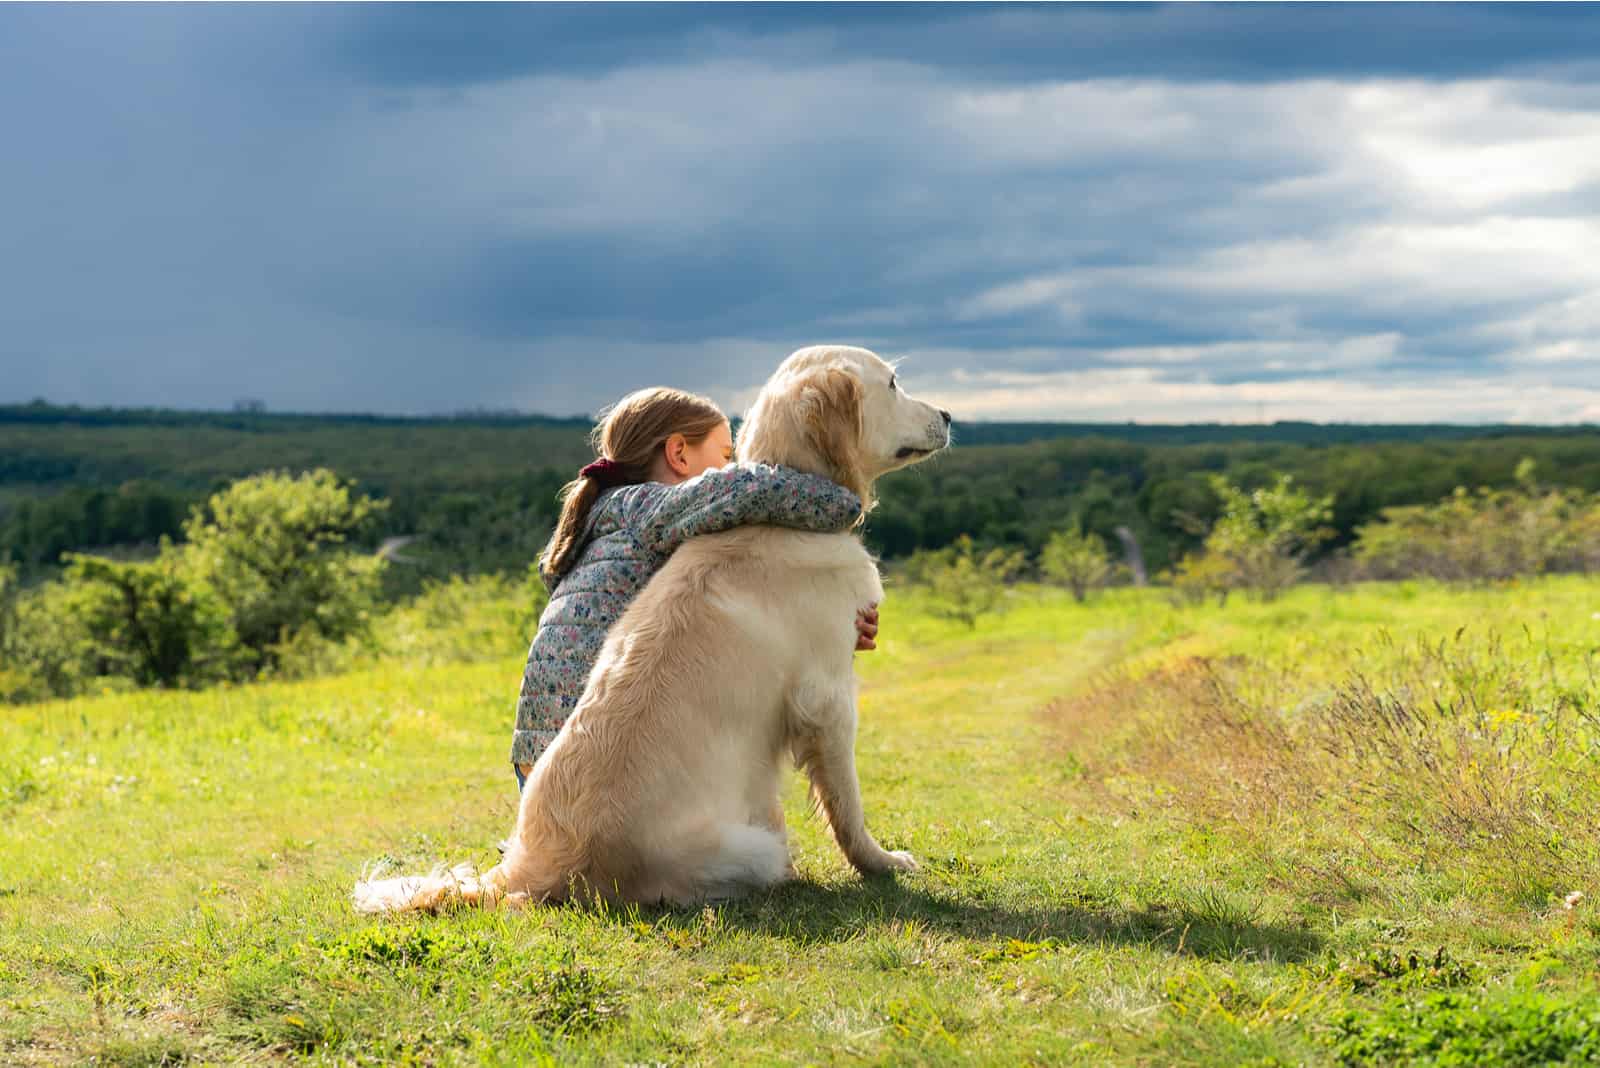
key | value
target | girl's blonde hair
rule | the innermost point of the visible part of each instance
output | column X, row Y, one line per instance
column 629, row 435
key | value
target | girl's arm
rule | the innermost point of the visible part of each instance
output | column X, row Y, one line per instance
column 725, row 497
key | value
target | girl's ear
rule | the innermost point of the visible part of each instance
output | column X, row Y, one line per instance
column 676, row 449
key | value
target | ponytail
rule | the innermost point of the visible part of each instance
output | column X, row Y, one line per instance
column 577, row 498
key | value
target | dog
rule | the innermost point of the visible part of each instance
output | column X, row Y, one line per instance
column 663, row 785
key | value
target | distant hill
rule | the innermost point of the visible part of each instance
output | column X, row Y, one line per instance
column 45, row 445
column 479, row 490
column 260, row 420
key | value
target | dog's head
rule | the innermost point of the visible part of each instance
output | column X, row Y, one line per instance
column 840, row 412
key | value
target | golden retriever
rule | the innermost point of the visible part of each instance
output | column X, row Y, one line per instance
column 663, row 786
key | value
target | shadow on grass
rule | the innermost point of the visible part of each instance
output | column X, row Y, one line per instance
column 812, row 913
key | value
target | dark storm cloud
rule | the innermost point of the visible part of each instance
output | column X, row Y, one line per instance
column 424, row 208
column 457, row 44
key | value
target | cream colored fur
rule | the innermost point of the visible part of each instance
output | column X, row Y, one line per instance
column 736, row 657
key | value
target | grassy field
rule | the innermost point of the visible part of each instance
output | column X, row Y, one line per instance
column 1348, row 827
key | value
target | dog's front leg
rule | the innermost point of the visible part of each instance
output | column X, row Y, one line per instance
column 827, row 755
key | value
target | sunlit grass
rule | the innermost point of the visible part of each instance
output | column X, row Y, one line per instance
column 175, row 868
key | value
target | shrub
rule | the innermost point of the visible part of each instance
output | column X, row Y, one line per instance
column 148, row 622
column 47, row 651
column 1264, row 537
column 270, row 549
column 1077, row 560
column 1484, row 536
column 487, row 617
column 1201, row 576
column 961, row 584
column 454, row 621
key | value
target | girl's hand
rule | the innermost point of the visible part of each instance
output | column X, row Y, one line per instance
column 867, row 629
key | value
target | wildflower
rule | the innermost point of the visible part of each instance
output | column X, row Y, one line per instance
column 1504, row 716
column 1572, row 900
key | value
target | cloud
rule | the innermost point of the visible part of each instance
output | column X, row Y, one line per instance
column 435, row 44
column 413, row 209
column 1146, row 395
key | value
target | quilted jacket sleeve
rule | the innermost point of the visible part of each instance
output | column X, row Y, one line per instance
column 663, row 517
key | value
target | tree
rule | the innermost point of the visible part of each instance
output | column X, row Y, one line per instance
column 1076, row 559
column 148, row 622
column 961, row 584
column 271, row 548
column 1265, row 537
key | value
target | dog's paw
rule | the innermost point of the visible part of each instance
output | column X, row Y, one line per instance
column 887, row 861
column 900, row 860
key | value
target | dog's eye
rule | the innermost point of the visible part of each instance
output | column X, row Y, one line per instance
column 894, row 381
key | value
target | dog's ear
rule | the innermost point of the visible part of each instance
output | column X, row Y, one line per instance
column 830, row 407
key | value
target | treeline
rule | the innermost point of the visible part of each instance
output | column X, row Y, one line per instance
column 1166, row 495
column 477, row 494
column 1262, row 542
column 38, row 530
column 269, row 581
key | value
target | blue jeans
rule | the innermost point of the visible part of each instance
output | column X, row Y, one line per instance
column 522, row 780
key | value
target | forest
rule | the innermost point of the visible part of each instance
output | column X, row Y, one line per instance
column 478, row 491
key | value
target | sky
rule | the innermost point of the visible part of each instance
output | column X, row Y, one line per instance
column 1151, row 213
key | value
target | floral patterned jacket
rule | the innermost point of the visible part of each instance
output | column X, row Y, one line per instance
column 632, row 531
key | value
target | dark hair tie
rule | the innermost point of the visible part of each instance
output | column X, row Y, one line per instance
column 606, row 472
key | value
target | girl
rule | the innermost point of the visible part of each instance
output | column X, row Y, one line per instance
column 660, row 479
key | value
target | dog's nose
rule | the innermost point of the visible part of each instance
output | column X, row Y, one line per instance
column 946, row 416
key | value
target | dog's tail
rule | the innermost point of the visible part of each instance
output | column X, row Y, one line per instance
column 441, row 889
column 720, row 862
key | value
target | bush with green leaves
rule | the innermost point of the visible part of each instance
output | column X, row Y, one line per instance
column 47, row 652
column 1076, row 559
column 489, row 617
column 1485, row 536
column 272, row 548
column 13, row 682
column 148, row 622
column 265, row 573
column 464, row 620
column 961, row 583
column 1200, row 577
column 1262, row 538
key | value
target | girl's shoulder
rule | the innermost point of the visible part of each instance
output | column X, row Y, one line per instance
column 622, row 506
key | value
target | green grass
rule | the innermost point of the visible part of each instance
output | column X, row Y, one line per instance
column 1336, row 829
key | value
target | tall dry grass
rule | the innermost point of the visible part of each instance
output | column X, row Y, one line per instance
column 1464, row 757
